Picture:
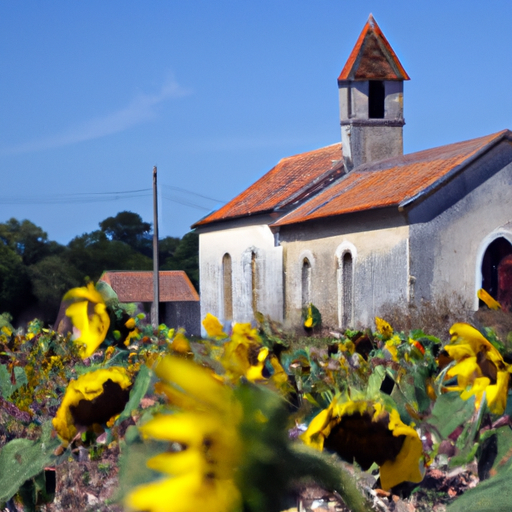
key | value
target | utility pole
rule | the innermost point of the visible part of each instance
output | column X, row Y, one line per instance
column 156, row 273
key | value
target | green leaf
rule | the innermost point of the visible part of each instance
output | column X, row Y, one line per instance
column 466, row 440
column 504, row 455
column 421, row 374
column 375, row 381
column 331, row 473
column 6, row 386
column 493, row 495
column 23, row 459
column 450, row 411
column 137, row 393
column 133, row 470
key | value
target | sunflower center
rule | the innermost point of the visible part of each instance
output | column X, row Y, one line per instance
column 357, row 437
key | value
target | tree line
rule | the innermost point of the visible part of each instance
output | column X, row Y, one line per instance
column 35, row 272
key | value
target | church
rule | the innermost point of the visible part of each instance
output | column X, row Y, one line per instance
column 357, row 225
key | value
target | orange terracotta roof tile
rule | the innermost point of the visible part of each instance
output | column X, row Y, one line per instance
column 137, row 286
column 372, row 57
column 290, row 181
column 394, row 182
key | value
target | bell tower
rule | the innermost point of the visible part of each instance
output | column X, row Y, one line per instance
column 371, row 100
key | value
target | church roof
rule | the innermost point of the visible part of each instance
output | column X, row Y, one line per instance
column 372, row 57
column 292, row 180
column 396, row 181
column 137, row 286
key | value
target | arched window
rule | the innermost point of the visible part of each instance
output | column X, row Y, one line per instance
column 346, row 256
column 306, row 282
column 347, row 289
column 227, row 287
column 495, row 253
column 254, row 283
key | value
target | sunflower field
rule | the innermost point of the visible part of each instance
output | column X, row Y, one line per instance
column 119, row 416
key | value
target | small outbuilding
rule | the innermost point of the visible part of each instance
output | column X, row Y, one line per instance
column 179, row 300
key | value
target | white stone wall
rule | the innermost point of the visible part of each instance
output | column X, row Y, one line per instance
column 452, row 245
column 240, row 243
column 380, row 274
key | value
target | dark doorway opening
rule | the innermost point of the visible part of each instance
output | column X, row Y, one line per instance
column 494, row 254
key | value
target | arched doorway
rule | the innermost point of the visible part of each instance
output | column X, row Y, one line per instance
column 505, row 283
column 496, row 253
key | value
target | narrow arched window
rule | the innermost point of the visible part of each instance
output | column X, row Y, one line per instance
column 306, row 283
column 347, row 289
column 254, row 283
column 227, row 287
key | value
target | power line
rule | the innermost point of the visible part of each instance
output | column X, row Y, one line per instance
column 179, row 189
column 184, row 202
column 78, row 198
column 101, row 197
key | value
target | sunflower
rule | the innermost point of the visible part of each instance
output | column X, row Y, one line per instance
column 244, row 355
column 383, row 328
column 367, row 432
column 180, row 343
column 479, row 368
column 213, row 327
column 92, row 399
column 199, row 470
column 89, row 316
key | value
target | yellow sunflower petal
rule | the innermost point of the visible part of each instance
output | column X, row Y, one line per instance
column 88, row 292
column 213, row 327
column 497, row 394
column 194, row 380
column 487, row 299
column 466, row 372
column 188, row 428
column 169, row 495
column 406, row 466
column 177, row 463
column 93, row 327
column 318, row 429
column 383, row 327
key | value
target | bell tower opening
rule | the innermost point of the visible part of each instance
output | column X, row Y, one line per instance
column 376, row 96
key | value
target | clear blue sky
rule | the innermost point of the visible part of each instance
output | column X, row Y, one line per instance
column 215, row 92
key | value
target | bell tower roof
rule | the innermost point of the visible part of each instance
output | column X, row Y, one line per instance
column 372, row 57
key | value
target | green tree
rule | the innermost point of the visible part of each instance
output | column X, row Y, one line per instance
column 15, row 288
column 128, row 227
column 93, row 253
column 51, row 278
column 27, row 240
column 166, row 248
column 185, row 257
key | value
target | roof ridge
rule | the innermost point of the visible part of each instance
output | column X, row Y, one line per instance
column 407, row 157
column 394, row 182
column 362, row 56
column 323, row 148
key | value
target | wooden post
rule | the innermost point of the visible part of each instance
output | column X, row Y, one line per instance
column 156, row 284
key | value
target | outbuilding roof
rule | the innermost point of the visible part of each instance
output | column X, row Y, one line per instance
column 396, row 181
column 137, row 286
column 372, row 57
column 292, row 180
